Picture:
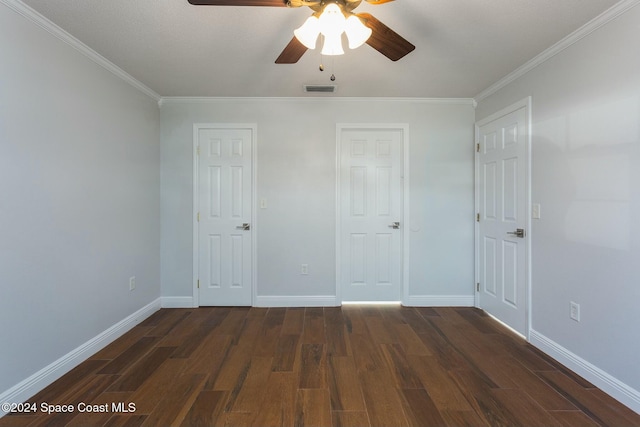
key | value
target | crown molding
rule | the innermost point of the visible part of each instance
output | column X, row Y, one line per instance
column 215, row 99
column 44, row 23
column 597, row 22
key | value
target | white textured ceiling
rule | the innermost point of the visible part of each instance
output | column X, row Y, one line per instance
column 176, row 49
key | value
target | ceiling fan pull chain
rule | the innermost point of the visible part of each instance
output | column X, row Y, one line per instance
column 333, row 63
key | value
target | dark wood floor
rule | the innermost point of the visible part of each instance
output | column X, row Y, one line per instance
column 349, row 366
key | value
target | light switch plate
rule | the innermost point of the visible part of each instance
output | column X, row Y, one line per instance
column 535, row 211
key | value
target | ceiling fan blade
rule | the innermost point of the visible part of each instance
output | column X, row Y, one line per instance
column 292, row 53
column 385, row 40
column 276, row 3
column 378, row 1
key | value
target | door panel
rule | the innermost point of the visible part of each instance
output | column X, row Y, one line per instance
column 503, row 205
column 225, row 203
column 371, row 193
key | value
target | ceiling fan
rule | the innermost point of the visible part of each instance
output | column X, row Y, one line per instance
column 378, row 35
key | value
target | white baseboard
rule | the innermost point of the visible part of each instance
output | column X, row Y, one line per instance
column 47, row 375
column 440, row 301
column 177, row 302
column 296, row 301
column 607, row 383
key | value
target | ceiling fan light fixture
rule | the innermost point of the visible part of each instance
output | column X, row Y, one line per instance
column 357, row 32
column 308, row 33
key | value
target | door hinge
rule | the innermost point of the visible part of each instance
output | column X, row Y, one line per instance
column 198, row 150
column 477, row 217
column 478, row 287
column 198, row 216
column 198, row 283
column 477, row 147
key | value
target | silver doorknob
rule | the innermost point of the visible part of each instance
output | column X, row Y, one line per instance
column 518, row 233
column 244, row 226
column 394, row 225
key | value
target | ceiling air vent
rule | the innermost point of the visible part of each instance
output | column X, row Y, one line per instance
column 320, row 88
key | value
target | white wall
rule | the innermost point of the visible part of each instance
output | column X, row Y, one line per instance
column 296, row 141
column 586, row 176
column 79, row 199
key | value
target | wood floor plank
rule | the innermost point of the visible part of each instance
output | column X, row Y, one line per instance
column 410, row 341
column 168, row 322
column 233, row 321
column 175, row 402
column 232, row 372
column 313, row 370
column 237, row 419
column 367, row 355
column 427, row 312
column 285, row 353
column 121, row 344
column 142, row 370
column 336, row 332
column 545, row 395
column 90, row 389
column 380, row 330
column 210, row 356
column 598, row 410
column 146, row 397
column 61, row 389
column 384, row 404
column 278, row 406
column 573, row 419
column 476, row 353
column 442, row 388
column 526, row 410
column 313, row 331
column 354, row 320
column 293, row 323
column 129, row 356
column 350, row 419
column 447, row 355
column 313, row 408
column 160, row 315
column 250, row 331
column 18, row 420
column 421, row 411
column 206, row 410
column 268, row 338
column 463, row 418
column 344, row 385
column 125, row 420
column 100, row 418
column 493, row 411
column 249, row 394
column 401, row 369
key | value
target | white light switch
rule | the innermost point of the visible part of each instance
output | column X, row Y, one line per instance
column 535, row 211
column 263, row 203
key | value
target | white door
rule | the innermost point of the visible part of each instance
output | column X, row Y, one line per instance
column 502, row 226
column 225, row 194
column 371, row 212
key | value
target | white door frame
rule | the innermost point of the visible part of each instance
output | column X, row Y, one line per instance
column 196, row 204
column 404, row 127
column 526, row 104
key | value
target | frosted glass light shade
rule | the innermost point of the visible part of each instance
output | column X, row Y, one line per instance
column 308, row 33
column 332, row 44
column 332, row 20
column 357, row 32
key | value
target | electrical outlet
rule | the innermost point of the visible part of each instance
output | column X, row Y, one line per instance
column 575, row 311
column 304, row 269
column 132, row 283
